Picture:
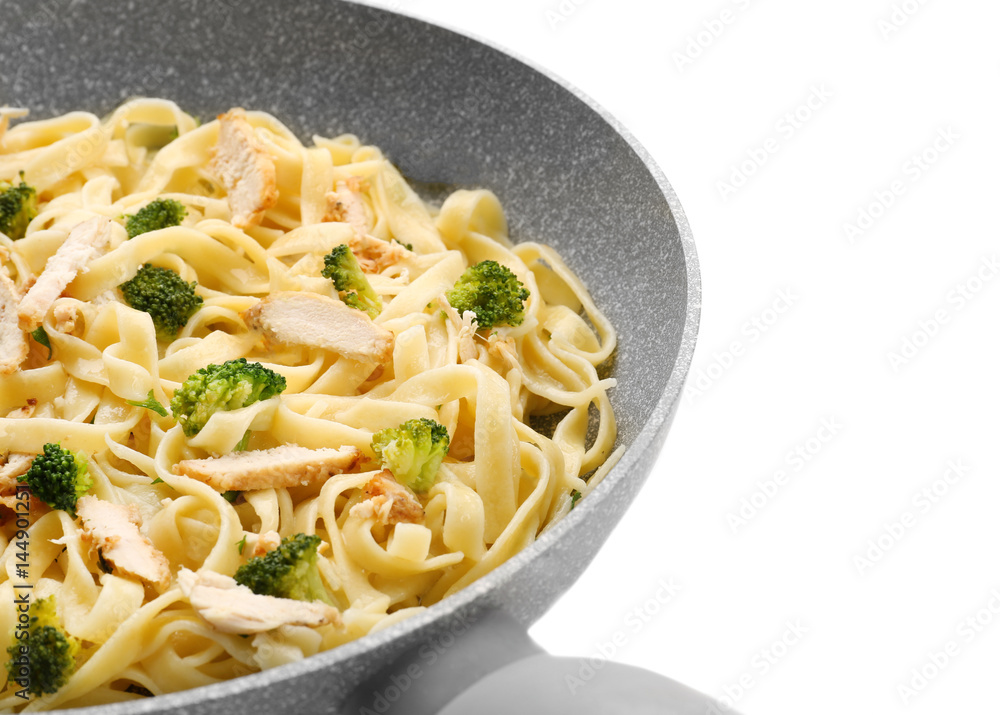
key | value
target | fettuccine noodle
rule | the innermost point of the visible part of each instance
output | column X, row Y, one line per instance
column 504, row 480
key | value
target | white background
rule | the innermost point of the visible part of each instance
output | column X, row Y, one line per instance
column 840, row 368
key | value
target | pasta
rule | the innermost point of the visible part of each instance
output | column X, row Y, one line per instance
column 262, row 210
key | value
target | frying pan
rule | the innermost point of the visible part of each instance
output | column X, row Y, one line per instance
column 450, row 112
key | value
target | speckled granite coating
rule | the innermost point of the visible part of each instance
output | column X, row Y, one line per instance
column 449, row 111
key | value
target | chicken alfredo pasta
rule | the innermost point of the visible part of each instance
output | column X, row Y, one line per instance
column 258, row 399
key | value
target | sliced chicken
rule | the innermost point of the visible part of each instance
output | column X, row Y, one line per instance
column 355, row 183
column 16, row 463
column 35, row 509
column 244, row 167
column 388, row 502
column 79, row 248
column 375, row 255
column 113, row 529
column 285, row 466
column 64, row 318
column 263, row 543
column 13, row 340
column 313, row 320
column 336, row 211
column 232, row 608
column 25, row 411
column 346, row 205
column 104, row 298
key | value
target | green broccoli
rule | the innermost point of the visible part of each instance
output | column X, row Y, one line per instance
column 492, row 292
column 18, row 205
column 58, row 477
column 44, row 659
column 413, row 452
column 344, row 270
column 290, row 571
column 229, row 386
column 161, row 213
column 168, row 298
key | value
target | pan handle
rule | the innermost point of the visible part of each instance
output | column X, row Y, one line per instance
column 548, row 684
column 489, row 665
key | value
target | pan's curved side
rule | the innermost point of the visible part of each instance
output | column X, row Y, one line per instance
column 446, row 109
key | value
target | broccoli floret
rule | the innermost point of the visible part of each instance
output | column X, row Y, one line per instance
column 18, row 205
column 492, row 292
column 58, row 477
column 161, row 213
column 229, row 386
column 290, row 571
column 47, row 656
column 413, row 452
column 168, row 298
column 344, row 270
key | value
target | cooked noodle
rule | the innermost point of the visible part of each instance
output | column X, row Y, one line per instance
column 502, row 482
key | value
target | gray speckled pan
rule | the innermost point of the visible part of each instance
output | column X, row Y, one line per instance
column 450, row 111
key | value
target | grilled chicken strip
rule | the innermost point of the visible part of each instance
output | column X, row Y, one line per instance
column 244, row 167
column 388, row 502
column 313, row 320
column 114, row 530
column 79, row 248
column 232, row 608
column 285, row 466
column 13, row 340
